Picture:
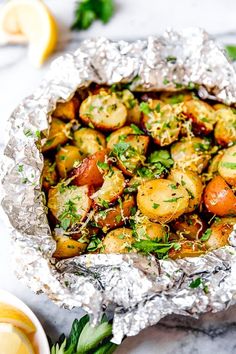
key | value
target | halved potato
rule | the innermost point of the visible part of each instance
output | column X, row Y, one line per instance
column 66, row 158
column 88, row 172
column 119, row 135
column 58, row 134
column 148, row 230
column 188, row 249
column 69, row 204
column 214, row 163
column 111, row 189
column 191, row 182
column 162, row 200
column 104, row 111
column 89, row 141
column 225, row 129
column 220, row 231
column 67, row 110
column 163, row 124
column 115, row 216
column 202, row 116
column 67, row 247
column 227, row 165
column 49, row 174
column 193, row 154
column 118, row 241
column 190, row 226
column 132, row 106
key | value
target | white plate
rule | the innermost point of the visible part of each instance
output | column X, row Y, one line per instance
column 40, row 341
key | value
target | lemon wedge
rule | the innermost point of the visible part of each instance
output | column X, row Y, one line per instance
column 17, row 318
column 29, row 21
column 13, row 341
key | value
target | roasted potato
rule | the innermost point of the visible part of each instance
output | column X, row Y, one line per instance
column 193, row 154
column 162, row 200
column 148, row 230
column 89, row 141
column 49, row 175
column 69, row 204
column 67, row 110
column 66, row 158
column 112, row 187
column 67, row 247
column 192, row 183
column 214, row 163
column 118, row 241
column 88, row 172
column 190, row 226
column 119, row 135
column 225, row 129
column 219, row 198
column 220, row 231
column 163, row 123
column 132, row 106
column 188, row 249
column 202, row 116
column 104, row 111
column 58, row 135
column 115, row 216
column 227, row 166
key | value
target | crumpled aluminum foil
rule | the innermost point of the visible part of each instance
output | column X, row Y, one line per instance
column 138, row 290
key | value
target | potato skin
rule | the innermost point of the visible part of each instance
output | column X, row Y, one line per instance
column 49, row 175
column 67, row 247
column 220, row 231
column 148, row 230
column 227, row 166
column 162, row 200
column 88, row 173
column 225, row 129
column 119, row 135
column 188, row 249
column 89, row 141
column 67, row 110
column 118, row 241
column 132, row 106
column 192, row 183
column 58, row 135
column 103, row 111
column 66, row 157
column 214, row 163
column 219, row 198
column 190, row 226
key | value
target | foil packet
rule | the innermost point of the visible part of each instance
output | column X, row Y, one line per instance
column 138, row 290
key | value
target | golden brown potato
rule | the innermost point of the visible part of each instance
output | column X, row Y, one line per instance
column 115, row 216
column 66, row 158
column 193, row 154
column 88, row 171
column 49, row 174
column 214, row 163
column 89, row 141
column 202, row 116
column 163, row 123
column 188, row 249
column 191, row 182
column 227, row 165
column 218, row 106
column 132, row 106
column 69, row 204
column 162, row 200
column 119, row 135
column 225, row 129
column 112, row 187
column 148, row 230
column 118, row 241
column 190, row 226
column 67, row 247
column 220, row 231
column 58, row 135
column 103, row 111
column 176, row 97
column 67, row 110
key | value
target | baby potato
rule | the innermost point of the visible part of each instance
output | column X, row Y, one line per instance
column 190, row 226
column 49, row 175
column 58, row 135
column 115, row 216
column 219, row 106
column 67, row 247
column 225, row 129
column 66, row 158
column 148, row 230
column 193, row 154
column 67, row 110
column 69, row 204
column 214, row 163
column 88, row 171
column 132, row 106
column 112, row 187
column 191, row 182
column 187, row 249
column 118, row 241
column 220, row 231
column 176, row 97
column 162, row 200
column 219, row 197
column 103, row 111
column 163, row 123
column 89, row 141
column 202, row 116
column 227, row 165
column 119, row 135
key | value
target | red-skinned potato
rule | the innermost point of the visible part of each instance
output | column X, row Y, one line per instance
column 219, row 233
column 219, row 197
column 190, row 226
column 188, row 249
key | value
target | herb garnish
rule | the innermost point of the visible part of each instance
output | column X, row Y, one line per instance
column 136, row 129
column 231, row 165
column 195, row 283
column 206, row 235
column 172, row 200
column 160, row 249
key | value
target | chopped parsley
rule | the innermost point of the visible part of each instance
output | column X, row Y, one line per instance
column 155, row 205
column 171, row 59
column 157, row 247
column 231, row 165
column 136, row 129
column 162, row 156
column 94, row 244
column 144, row 107
column 69, row 215
column 103, row 165
column 172, row 200
column 195, row 283
column 206, row 235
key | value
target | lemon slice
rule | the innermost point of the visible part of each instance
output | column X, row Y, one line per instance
column 9, row 314
column 13, row 341
column 29, row 21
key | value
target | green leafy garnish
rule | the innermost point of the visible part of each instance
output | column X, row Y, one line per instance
column 195, row 283
column 136, row 129
column 94, row 244
column 163, row 157
column 231, row 51
column 103, row 165
column 144, row 107
column 155, row 205
column 231, row 165
column 158, row 247
column 172, row 200
column 206, row 235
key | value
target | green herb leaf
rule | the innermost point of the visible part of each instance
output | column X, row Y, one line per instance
column 155, row 205
column 103, row 165
column 136, row 129
column 94, row 244
column 231, row 51
column 195, row 283
column 162, row 156
column 172, row 200
column 144, row 107
column 231, row 165
column 206, row 235
column 75, row 332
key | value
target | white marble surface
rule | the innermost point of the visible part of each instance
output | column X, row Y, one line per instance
column 133, row 19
